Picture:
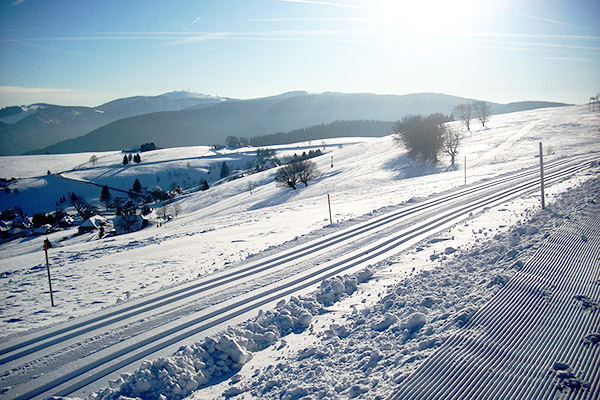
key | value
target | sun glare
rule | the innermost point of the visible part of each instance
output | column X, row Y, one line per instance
column 425, row 15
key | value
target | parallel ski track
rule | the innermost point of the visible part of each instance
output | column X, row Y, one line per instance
column 69, row 331
column 111, row 363
column 508, row 349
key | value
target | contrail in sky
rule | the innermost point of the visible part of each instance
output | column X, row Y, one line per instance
column 552, row 21
column 323, row 3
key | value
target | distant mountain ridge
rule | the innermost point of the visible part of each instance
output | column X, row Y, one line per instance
column 185, row 119
column 27, row 128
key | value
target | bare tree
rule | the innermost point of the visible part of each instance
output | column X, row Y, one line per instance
column 308, row 171
column 287, row 176
column 295, row 172
column 463, row 112
column 451, row 139
column 175, row 208
column 83, row 208
column 93, row 159
column 483, row 111
column 251, row 186
column 163, row 211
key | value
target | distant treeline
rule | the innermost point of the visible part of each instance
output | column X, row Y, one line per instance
column 335, row 129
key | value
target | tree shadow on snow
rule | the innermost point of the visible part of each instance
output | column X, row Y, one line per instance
column 286, row 193
column 406, row 167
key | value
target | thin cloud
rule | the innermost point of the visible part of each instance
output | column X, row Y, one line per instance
column 315, row 19
column 323, row 3
column 551, row 21
column 508, row 41
column 51, row 49
column 568, row 59
column 18, row 2
column 9, row 90
column 522, row 35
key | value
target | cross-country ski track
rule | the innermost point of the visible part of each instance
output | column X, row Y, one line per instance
column 267, row 280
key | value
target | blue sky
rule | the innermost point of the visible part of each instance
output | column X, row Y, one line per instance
column 89, row 52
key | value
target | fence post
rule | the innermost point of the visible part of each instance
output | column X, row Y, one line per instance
column 542, row 177
column 329, row 204
column 465, row 170
column 46, row 246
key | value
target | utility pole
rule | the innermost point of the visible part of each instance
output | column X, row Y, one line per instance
column 542, row 176
column 329, row 204
column 46, row 246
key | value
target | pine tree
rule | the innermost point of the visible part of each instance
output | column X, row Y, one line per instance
column 105, row 195
column 137, row 186
column 204, row 185
column 224, row 170
column 125, row 160
column 137, row 158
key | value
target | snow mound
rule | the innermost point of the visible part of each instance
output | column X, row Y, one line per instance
column 215, row 359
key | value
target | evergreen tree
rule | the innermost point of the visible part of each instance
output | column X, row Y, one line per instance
column 105, row 196
column 137, row 158
column 137, row 186
column 204, row 185
column 125, row 160
column 224, row 170
column 147, row 147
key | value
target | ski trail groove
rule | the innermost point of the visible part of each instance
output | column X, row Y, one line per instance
column 508, row 348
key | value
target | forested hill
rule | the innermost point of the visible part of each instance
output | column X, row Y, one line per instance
column 212, row 124
column 334, row 129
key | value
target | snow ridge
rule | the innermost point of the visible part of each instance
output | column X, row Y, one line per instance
column 214, row 359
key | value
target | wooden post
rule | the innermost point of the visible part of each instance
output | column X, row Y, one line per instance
column 542, row 176
column 465, row 170
column 46, row 245
column 331, row 161
column 329, row 204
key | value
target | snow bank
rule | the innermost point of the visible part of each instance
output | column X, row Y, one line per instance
column 215, row 359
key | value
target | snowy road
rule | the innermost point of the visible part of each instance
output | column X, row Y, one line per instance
column 73, row 357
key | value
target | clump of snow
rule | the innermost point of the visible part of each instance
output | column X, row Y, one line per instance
column 214, row 359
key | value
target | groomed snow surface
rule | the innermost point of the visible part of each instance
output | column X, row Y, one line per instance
column 369, row 345
column 357, row 336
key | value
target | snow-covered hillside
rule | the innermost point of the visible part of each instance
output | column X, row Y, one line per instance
column 225, row 224
column 222, row 227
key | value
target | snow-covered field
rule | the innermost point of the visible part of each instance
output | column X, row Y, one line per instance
column 431, row 285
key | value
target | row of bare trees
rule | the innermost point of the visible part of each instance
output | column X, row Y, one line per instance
column 467, row 111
